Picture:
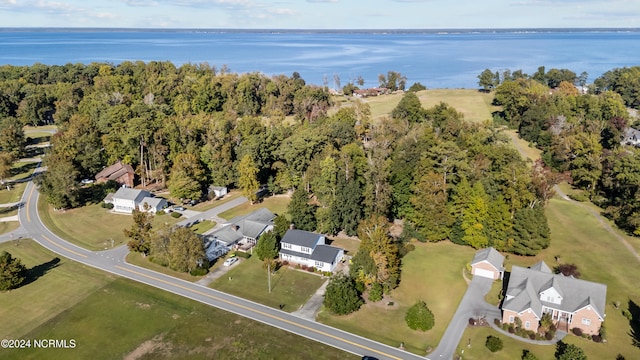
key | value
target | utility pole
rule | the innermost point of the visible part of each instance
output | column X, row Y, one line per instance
column 269, row 274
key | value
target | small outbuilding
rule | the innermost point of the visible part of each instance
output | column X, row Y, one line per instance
column 488, row 263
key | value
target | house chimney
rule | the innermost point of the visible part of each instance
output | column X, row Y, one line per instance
column 292, row 226
column 236, row 227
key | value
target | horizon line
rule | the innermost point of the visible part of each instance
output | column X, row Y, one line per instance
column 453, row 29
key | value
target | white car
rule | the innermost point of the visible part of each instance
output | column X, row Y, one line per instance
column 230, row 261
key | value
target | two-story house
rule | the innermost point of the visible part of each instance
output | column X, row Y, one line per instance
column 572, row 303
column 307, row 248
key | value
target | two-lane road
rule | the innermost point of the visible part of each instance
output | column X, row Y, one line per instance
column 113, row 261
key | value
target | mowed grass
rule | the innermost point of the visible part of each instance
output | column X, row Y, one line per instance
column 8, row 226
column 473, row 104
column 56, row 284
column 125, row 319
column 275, row 204
column 579, row 238
column 289, row 287
column 432, row 273
column 91, row 227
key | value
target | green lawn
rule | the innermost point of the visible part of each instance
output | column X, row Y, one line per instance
column 474, row 105
column 129, row 320
column 58, row 284
column 275, row 204
column 203, row 226
column 433, row 273
column 12, row 195
column 350, row 246
column 91, row 227
column 8, row 226
column 288, row 286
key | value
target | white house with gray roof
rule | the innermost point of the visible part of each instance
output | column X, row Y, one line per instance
column 126, row 199
column 307, row 248
column 572, row 303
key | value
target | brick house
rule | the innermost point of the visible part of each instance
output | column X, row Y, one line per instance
column 121, row 173
column 572, row 303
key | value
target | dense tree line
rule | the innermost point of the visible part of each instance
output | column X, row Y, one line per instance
column 191, row 126
column 581, row 135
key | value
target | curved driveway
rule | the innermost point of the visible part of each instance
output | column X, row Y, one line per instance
column 472, row 305
column 113, row 261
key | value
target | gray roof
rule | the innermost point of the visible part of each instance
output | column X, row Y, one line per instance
column 491, row 255
column 525, row 286
column 154, row 202
column 251, row 225
column 541, row 266
column 227, row 235
column 131, row 194
column 295, row 253
column 301, row 238
column 325, row 253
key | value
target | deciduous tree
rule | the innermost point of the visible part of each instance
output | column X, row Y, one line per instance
column 341, row 296
column 12, row 272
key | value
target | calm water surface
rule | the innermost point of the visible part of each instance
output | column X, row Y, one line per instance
column 437, row 60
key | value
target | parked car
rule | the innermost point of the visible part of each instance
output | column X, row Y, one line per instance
column 230, row 261
column 178, row 208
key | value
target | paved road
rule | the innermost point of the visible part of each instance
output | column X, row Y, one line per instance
column 472, row 305
column 212, row 214
column 113, row 261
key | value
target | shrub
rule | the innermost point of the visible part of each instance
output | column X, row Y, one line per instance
column 175, row 215
column 493, row 343
column 511, row 329
column 419, row 317
column 341, row 296
column 241, row 254
column 497, row 322
column 532, row 335
column 472, row 321
column 199, row 271
column 160, row 212
column 311, row 269
column 375, row 293
column 303, row 266
column 596, row 338
column 567, row 270
column 106, row 205
column 285, row 263
column 548, row 336
column 577, row 331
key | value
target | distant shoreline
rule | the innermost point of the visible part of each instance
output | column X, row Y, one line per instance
column 443, row 31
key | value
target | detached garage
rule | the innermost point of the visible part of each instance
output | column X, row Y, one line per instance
column 488, row 263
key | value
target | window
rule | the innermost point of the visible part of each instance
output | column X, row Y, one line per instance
column 527, row 324
column 586, row 321
column 286, row 246
column 511, row 319
column 319, row 264
column 306, row 250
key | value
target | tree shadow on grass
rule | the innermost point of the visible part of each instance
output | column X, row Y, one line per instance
column 38, row 271
column 634, row 322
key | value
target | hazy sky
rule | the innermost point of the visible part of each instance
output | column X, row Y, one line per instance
column 320, row 14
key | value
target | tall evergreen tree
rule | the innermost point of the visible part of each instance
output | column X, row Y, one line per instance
column 12, row 272
column 303, row 214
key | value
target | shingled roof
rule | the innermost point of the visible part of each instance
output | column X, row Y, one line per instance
column 490, row 255
column 525, row 286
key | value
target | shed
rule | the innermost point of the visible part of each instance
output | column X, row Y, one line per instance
column 488, row 263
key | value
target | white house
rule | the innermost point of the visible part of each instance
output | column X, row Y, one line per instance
column 125, row 200
column 217, row 191
column 307, row 248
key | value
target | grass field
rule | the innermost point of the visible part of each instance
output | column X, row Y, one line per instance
column 474, row 105
column 289, row 287
column 57, row 284
column 441, row 292
column 275, row 204
column 91, row 227
column 129, row 320
column 139, row 260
